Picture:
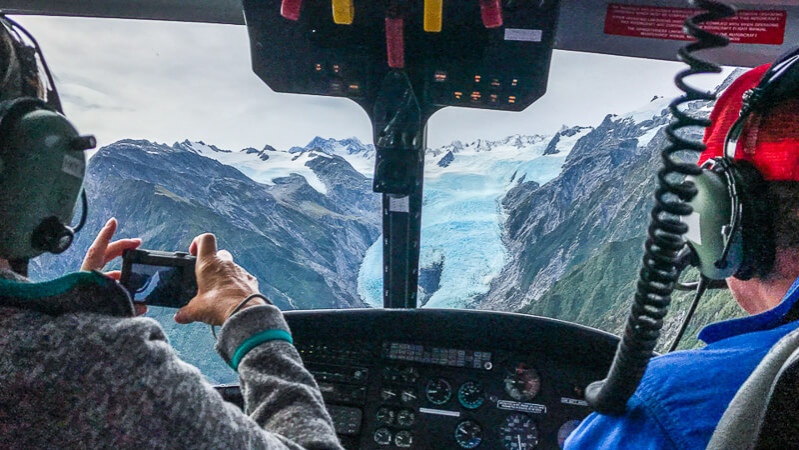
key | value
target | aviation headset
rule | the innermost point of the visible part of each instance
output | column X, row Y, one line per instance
column 731, row 231
column 42, row 160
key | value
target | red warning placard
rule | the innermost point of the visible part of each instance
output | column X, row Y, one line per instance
column 747, row 27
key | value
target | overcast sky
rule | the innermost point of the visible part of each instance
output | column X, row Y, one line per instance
column 168, row 82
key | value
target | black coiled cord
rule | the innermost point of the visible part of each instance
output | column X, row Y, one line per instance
column 660, row 266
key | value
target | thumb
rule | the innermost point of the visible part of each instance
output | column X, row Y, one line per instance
column 185, row 314
column 140, row 309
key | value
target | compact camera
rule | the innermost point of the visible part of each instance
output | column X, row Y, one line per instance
column 158, row 278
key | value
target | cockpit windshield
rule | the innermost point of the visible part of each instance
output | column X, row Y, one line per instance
column 541, row 212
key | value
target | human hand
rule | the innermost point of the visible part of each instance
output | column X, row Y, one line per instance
column 102, row 251
column 221, row 285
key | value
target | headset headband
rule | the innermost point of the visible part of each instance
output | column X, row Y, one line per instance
column 31, row 60
column 778, row 83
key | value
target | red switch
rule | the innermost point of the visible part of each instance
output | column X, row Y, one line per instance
column 290, row 9
column 491, row 11
column 395, row 42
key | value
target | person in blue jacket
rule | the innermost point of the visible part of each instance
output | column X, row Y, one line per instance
column 683, row 395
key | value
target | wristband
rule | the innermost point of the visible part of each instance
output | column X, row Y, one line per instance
column 256, row 340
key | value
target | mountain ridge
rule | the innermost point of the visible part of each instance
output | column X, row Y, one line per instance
column 505, row 223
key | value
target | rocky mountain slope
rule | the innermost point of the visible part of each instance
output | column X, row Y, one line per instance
column 304, row 246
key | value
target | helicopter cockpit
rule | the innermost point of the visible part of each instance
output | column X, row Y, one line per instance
column 337, row 231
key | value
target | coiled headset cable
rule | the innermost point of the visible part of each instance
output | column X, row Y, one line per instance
column 662, row 261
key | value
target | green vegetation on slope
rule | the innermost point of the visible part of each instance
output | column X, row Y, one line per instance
column 599, row 292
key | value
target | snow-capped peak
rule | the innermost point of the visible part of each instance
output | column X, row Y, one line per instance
column 654, row 108
column 262, row 166
column 199, row 147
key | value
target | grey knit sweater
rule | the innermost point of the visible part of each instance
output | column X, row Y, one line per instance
column 78, row 371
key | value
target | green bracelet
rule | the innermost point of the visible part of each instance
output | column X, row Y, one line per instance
column 256, row 340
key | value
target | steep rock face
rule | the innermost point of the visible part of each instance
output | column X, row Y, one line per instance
column 304, row 247
column 563, row 139
column 348, row 189
column 446, row 160
column 602, row 195
column 552, row 147
column 575, row 243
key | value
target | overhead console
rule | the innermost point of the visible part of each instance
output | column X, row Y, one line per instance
column 490, row 54
column 450, row 379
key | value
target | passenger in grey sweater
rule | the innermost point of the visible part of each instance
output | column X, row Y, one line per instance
column 79, row 371
column 77, row 368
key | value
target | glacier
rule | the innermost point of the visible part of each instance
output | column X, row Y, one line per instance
column 462, row 221
column 462, row 218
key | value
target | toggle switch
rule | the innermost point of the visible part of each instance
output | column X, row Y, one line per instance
column 433, row 11
column 395, row 42
column 290, row 9
column 343, row 12
column 491, row 12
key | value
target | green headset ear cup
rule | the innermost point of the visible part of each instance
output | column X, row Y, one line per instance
column 712, row 213
column 43, row 177
column 751, row 239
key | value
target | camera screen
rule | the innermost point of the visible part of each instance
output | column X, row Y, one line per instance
column 161, row 285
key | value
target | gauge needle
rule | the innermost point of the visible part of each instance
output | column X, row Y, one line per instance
column 519, row 440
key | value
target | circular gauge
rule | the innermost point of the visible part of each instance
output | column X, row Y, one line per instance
column 468, row 434
column 438, row 391
column 565, row 430
column 405, row 417
column 523, row 384
column 470, row 394
column 403, row 439
column 388, row 394
column 410, row 375
column 382, row 436
column 384, row 416
column 519, row 432
column 408, row 395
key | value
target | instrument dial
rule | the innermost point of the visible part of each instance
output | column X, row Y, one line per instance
column 409, row 375
column 523, row 384
column 388, row 394
column 468, row 434
column 403, row 439
column 383, row 436
column 406, row 417
column 470, row 394
column 385, row 416
column 438, row 391
column 519, row 432
column 408, row 396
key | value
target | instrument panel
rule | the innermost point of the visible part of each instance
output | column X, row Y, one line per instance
column 450, row 379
